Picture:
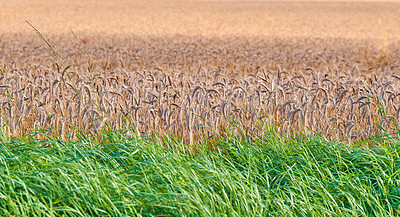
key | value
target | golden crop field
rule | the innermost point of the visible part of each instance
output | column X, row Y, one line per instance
column 184, row 67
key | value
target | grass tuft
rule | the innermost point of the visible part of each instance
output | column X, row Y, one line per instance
column 237, row 176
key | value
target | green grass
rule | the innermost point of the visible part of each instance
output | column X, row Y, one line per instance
column 249, row 176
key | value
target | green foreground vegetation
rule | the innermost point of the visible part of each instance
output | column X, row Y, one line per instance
column 249, row 176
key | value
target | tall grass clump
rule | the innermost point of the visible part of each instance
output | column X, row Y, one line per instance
column 235, row 176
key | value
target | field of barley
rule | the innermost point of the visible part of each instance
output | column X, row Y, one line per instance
column 199, row 108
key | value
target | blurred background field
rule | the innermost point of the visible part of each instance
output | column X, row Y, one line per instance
column 126, row 18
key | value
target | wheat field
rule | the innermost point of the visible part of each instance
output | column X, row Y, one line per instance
column 191, row 69
column 199, row 108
